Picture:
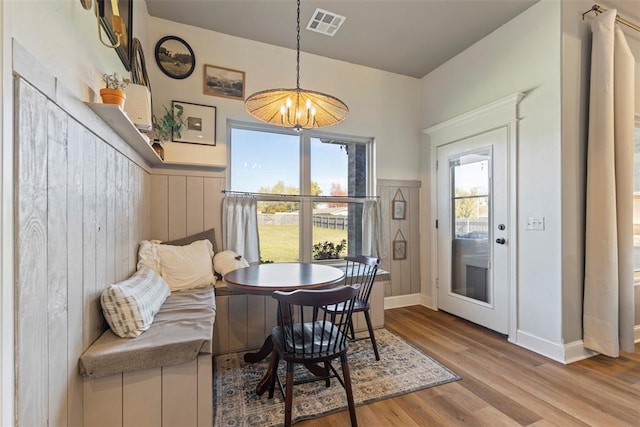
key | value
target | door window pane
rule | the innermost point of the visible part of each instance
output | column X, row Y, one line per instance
column 470, row 218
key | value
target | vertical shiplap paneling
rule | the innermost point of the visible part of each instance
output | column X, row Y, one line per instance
column 57, row 265
column 134, row 211
column 205, row 390
column 76, row 145
column 123, row 250
column 195, row 204
column 212, row 207
column 403, row 265
column 120, row 217
column 180, row 394
column 413, row 213
column 31, row 295
column 142, row 398
column 99, row 323
column 146, row 217
column 110, row 226
column 160, row 207
column 237, row 322
column 221, row 326
column 90, row 332
column 256, row 320
column 177, row 191
column 103, row 401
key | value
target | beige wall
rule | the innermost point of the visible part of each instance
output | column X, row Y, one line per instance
column 521, row 56
column 382, row 105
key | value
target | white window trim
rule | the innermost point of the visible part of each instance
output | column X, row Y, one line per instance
column 306, row 203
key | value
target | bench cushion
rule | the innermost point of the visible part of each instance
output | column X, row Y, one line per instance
column 181, row 330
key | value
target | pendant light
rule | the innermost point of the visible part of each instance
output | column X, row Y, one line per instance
column 297, row 108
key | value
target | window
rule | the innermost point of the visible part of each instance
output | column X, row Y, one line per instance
column 310, row 186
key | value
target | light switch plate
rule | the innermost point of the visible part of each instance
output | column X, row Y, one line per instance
column 535, row 223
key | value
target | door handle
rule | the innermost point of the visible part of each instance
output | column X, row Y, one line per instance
column 500, row 241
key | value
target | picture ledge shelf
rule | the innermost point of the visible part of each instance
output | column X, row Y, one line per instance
column 122, row 125
column 117, row 120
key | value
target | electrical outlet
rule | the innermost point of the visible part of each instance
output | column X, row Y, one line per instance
column 535, row 223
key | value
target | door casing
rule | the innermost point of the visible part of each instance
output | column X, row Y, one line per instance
column 500, row 113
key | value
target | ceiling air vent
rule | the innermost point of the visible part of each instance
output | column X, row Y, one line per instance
column 325, row 22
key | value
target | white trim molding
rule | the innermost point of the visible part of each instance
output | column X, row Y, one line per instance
column 497, row 114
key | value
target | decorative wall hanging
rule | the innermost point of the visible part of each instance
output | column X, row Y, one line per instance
column 175, row 57
column 198, row 123
column 399, row 246
column 116, row 18
column 224, row 82
column 398, row 206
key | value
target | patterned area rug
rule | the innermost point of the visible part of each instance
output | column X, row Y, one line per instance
column 402, row 369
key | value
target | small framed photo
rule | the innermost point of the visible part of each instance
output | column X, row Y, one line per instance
column 398, row 209
column 223, row 82
column 198, row 123
column 175, row 57
column 399, row 249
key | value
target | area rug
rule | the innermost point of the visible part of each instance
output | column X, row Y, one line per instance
column 402, row 368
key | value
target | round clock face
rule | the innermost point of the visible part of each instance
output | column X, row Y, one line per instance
column 86, row 4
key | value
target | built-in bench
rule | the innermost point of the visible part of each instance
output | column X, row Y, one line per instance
column 162, row 377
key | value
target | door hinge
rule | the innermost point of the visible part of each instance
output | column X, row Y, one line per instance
column 436, row 223
column 436, row 165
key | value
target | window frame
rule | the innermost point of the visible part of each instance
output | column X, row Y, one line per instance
column 306, row 202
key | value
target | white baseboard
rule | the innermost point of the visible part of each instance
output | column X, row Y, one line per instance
column 563, row 353
column 636, row 333
column 403, row 301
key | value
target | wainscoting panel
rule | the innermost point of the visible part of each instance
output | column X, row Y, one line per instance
column 405, row 273
column 82, row 208
column 182, row 205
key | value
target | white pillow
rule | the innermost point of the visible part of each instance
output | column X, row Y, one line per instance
column 130, row 306
column 227, row 261
column 186, row 267
column 148, row 256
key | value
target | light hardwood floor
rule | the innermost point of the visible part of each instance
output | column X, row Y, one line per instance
column 502, row 384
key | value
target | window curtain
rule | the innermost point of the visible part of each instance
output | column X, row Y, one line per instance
column 240, row 226
column 608, row 310
column 372, row 230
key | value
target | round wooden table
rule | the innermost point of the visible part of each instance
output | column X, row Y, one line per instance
column 264, row 279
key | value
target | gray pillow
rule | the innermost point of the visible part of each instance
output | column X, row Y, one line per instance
column 209, row 235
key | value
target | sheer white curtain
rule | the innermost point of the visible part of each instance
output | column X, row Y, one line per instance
column 240, row 226
column 608, row 315
column 372, row 230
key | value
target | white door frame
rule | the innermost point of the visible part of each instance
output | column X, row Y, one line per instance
column 498, row 114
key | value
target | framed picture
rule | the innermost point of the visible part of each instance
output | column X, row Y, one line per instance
column 398, row 209
column 399, row 249
column 175, row 57
column 224, row 82
column 125, row 11
column 198, row 123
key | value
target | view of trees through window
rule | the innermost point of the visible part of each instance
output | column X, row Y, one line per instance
column 298, row 220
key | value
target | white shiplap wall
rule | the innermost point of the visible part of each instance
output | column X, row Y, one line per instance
column 82, row 206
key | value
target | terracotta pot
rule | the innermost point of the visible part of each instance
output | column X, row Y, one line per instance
column 113, row 96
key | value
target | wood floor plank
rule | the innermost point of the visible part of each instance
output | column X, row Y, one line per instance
column 502, row 384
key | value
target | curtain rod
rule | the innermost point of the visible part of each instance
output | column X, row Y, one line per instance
column 297, row 196
column 599, row 9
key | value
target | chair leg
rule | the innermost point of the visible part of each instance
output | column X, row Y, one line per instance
column 327, row 382
column 288, row 398
column 272, row 385
column 371, row 335
column 347, row 386
column 352, row 329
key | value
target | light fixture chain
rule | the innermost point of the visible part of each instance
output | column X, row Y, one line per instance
column 298, row 49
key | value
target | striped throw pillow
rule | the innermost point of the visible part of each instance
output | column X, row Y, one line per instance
column 130, row 306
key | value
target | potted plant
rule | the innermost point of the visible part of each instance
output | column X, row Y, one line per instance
column 170, row 123
column 112, row 93
column 328, row 250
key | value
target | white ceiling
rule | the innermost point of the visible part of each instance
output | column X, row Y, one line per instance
column 409, row 37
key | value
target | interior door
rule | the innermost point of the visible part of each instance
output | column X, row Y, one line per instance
column 473, row 229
